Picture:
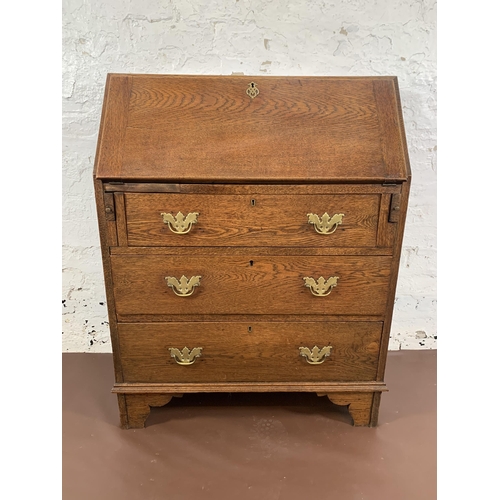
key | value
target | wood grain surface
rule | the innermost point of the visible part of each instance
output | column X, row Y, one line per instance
column 271, row 188
column 252, row 169
column 320, row 387
column 395, row 264
column 135, row 408
column 252, row 220
column 252, row 285
column 113, row 128
column 232, row 353
column 363, row 407
column 314, row 129
column 271, row 250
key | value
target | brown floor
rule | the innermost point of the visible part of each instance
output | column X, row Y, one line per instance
column 250, row 446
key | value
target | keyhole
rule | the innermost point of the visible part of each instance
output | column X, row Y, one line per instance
column 251, row 263
column 252, row 202
column 249, row 329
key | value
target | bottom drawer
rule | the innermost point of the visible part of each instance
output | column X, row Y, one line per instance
column 244, row 352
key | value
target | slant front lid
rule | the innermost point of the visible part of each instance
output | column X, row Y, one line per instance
column 223, row 129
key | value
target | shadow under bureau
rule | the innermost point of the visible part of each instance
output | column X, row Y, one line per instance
column 251, row 232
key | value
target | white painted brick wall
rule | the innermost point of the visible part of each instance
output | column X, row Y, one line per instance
column 275, row 37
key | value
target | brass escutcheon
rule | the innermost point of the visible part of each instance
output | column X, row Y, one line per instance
column 316, row 356
column 252, row 90
column 183, row 287
column 322, row 287
column 186, row 356
column 327, row 224
column 180, row 224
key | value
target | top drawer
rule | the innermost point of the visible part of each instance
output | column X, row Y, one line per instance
column 252, row 220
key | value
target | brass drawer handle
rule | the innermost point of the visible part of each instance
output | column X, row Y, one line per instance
column 185, row 357
column 322, row 287
column 180, row 224
column 316, row 356
column 183, row 287
column 327, row 224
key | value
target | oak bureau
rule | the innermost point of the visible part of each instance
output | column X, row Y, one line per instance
column 251, row 233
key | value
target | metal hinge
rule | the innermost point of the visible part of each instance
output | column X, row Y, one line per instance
column 395, row 207
column 109, row 206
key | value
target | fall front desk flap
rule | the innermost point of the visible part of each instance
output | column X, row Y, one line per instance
column 173, row 128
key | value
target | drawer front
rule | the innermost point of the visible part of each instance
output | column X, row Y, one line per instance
column 252, row 220
column 244, row 352
column 252, row 285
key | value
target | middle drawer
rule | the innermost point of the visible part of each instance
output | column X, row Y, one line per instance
column 255, row 284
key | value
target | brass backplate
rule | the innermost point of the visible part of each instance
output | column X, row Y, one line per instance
column 316, row 356
column 186, row 356
column 325, row 224
column 322, row 287
column 183, row 287
column 180, row 224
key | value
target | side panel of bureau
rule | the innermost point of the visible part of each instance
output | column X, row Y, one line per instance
column 108, row 238
column 240, row 352
column 251, row 285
